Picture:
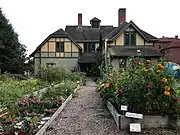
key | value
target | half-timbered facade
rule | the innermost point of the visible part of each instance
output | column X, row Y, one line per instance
column 76, row 47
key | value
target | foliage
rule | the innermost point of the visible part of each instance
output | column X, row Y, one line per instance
column 144, row 86
column 58, row 74
column 12, row 56
column 12, row 90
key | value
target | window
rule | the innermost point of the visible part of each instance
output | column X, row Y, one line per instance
column 59, row 46
column 130, row 37
column 89, row 47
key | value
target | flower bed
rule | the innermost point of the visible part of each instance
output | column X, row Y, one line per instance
column 145, row 87
column 25, row 115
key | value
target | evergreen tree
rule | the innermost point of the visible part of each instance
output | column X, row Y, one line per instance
column 12, row 53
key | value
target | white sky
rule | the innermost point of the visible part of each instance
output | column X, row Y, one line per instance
column 34, row 20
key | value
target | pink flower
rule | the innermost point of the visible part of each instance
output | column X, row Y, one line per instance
column 4, row 116
column 25, row 113
column 149, row 86
column 31, row 124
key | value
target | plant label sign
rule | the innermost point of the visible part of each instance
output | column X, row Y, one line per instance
column 135, row 127
column 124, row 107
column 134, row 115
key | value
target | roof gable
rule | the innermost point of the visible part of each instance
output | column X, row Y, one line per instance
column 57, row 34
column 119, row 30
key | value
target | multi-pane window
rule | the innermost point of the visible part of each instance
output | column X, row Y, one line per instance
column 89, row 47
column 130, row 37
column 59, row 46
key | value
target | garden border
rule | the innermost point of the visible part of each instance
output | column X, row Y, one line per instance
column 147, row 122
column 59, row 110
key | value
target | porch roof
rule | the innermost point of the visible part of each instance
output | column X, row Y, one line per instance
column 87, row 58
column 147, row 51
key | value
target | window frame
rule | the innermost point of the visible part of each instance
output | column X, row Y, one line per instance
column 129, row 42
column 90, row 47
column 60, row 47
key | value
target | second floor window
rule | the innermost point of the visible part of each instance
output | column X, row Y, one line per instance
column 59, row 46
column 130, row 37
column 89, row 47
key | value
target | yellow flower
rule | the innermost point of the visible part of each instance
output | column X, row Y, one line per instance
column 167, row 93
column 167, row 88
column 148, row 61
column 145, row 70
column 111, row 75
column 158, row 65
column 164, row 80
column 107, row 85
column 157, row 71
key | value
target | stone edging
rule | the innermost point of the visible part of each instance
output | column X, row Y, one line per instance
column 45, row 126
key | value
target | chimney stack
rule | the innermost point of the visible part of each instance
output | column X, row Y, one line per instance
column 121, row 16
column 79, row 20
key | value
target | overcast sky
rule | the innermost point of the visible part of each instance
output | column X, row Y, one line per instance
column 34, row 20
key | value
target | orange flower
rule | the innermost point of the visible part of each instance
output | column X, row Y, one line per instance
column 164, row 80
column 157, row 71
column 167, row 93
column 107, row 85
column 111, row 75
column 167, row 88
column 161, row 67
column 145, row 70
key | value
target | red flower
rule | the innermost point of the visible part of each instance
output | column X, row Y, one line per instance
column 149, row 86
column 134, row 63
column 120, row 92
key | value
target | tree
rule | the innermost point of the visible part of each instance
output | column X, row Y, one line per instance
column 12, row 53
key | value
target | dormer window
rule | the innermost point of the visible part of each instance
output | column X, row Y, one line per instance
column 130, row 37
column 95, row 23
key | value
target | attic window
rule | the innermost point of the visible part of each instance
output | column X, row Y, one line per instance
column 59, row 46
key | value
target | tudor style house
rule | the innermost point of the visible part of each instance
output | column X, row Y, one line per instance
column 76, row 47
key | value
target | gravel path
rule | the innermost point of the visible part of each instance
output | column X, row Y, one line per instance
column 86, row 114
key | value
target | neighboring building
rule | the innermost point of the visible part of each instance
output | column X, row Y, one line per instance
column 76, row 47
column 170, row 48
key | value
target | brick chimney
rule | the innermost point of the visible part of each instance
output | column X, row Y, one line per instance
column 121, row 16
column 79, row 20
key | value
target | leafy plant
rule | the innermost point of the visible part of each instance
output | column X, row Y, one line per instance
column 145, row 86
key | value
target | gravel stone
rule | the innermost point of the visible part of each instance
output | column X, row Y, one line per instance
column 86, row 114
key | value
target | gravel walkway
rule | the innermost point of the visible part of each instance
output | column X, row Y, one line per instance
column 86, row 114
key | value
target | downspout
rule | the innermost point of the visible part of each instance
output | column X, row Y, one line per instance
column 105, row 49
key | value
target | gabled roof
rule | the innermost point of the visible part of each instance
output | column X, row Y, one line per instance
column 126, row 51
column 119, row 30
column 88, row 34
column 59, row 34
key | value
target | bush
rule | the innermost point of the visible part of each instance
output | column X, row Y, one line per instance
column 58, row 74
column 144, row 86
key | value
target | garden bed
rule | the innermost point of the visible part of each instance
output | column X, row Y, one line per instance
column 145, row 87
column 29, row 109
column 147, row 122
